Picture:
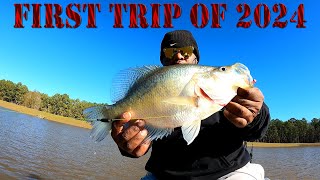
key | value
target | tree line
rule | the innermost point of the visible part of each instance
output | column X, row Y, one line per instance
column 293, row 131
column 290, row 131
column 59, row 104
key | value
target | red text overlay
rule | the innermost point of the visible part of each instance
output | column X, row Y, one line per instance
column 138, row 15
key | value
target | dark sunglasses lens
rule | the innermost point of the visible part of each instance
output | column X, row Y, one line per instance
column 185, row 51
column 168, row 52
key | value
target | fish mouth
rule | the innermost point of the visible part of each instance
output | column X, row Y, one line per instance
column 251, row 81
column 205, row 95
column 201, row 93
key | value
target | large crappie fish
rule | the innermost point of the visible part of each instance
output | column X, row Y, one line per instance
column 169, row 97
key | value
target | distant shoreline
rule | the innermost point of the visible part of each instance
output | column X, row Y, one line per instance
column 45, row 115
column 281, row 145
column 83, row 124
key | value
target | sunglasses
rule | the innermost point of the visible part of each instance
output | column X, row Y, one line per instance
column 184, row 51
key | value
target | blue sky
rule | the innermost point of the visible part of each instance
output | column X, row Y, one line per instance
column 82, row 62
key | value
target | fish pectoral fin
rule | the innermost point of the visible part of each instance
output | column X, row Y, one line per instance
column 191, row 130
column 183, row 100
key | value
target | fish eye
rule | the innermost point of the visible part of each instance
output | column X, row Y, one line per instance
column 223, row 69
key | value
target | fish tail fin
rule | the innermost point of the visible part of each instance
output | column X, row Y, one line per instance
column 100, row 130
column 101, row 125
column 96, row 112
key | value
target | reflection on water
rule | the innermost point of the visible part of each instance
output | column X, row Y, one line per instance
column 32, row 148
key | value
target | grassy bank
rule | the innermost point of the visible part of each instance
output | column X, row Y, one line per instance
column 44, row 115
column 279, row 145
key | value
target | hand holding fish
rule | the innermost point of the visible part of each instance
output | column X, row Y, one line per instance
column 244, row 107
column 130, row 137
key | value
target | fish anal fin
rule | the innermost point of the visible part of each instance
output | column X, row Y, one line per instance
column 157, row 133
column 191, row 130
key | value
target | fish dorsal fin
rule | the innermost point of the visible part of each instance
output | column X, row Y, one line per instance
column 125, row 79
column 191, row 130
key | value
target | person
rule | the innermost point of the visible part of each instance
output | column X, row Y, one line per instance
column 218, row 152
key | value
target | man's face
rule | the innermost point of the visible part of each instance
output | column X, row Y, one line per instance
column 179, row 56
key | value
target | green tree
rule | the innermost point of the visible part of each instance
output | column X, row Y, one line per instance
column 315, row 123
column 12, row 92
column 302, row 128
column 7, row 90
column 60, row 105
column 45, row 103
column 19, row 93
column 291, row 131
column 77, row 108
column 32, row 99
column 272, row 135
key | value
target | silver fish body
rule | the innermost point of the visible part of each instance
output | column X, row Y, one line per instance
column 171, row 96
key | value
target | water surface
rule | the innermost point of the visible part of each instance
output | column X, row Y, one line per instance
column 33, row 148
column 289, row 163
column 41, row 149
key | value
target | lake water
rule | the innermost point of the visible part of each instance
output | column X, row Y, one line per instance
column 33, row 148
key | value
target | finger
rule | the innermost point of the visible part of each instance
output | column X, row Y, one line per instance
column 117, row 126
column 135, row 141
column 236, row 120
column 132, row 130
column 142, row 149
column 134, row 127
column 243, row 92
column 126, row 115
column 238, row 99
column 253, row 94
column 239, row 111
column 253, row 106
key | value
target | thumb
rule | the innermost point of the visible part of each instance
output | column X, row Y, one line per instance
column 243, row 92
column 117, row 126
